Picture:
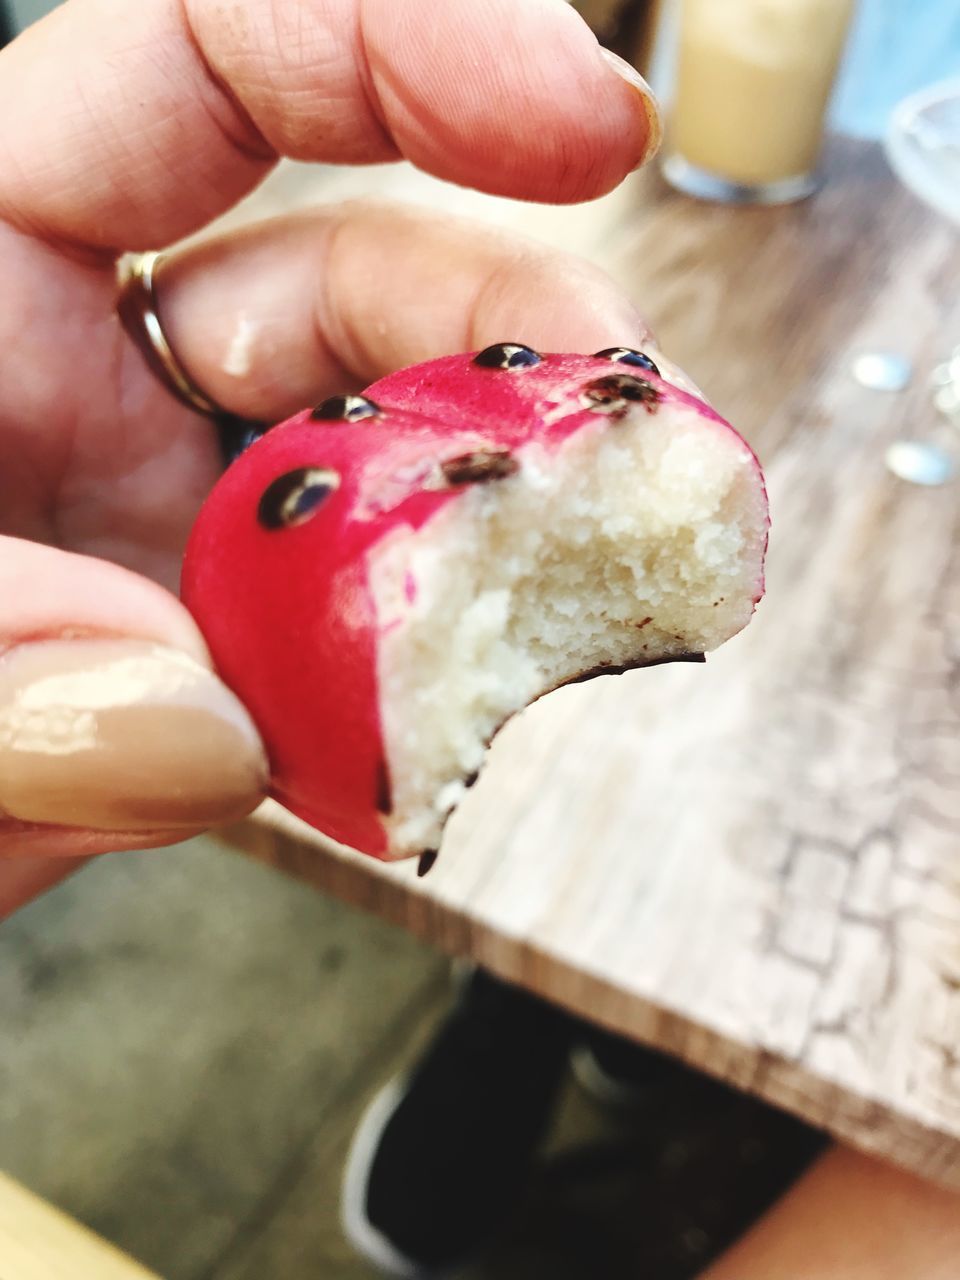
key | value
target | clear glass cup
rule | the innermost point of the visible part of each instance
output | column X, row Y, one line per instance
column 923, row 147
column 754, row 78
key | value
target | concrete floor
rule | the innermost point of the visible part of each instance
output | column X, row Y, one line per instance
column 183, row 1031
column 187, row 1040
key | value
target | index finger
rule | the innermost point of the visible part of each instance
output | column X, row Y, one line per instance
column 128, row 125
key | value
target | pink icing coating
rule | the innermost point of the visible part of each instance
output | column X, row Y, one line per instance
column 289, row 614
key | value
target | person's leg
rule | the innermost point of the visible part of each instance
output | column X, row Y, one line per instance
column 438, row 1163
column 851, row 1218
column 439, row 1159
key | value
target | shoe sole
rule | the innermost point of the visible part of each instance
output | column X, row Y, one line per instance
column 601, row 1086
column 367, row 1239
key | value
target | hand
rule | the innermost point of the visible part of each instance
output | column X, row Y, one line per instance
column 125, row 127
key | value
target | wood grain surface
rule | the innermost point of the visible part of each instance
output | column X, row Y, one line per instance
column 752, row 864
column 38, row 1242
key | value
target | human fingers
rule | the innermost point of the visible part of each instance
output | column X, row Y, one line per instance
column 113, row 728
column 269, row 318
column 128, row 125
column 24, row 878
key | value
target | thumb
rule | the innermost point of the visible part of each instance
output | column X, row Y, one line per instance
column 114, row 731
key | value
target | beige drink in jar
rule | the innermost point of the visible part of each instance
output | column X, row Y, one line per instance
column 754, row 79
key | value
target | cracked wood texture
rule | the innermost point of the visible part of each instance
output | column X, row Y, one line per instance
column 752, row 864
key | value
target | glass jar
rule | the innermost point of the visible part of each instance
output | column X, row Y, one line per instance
column 754, row 78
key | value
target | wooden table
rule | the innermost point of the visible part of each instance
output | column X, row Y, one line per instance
column 752, row 864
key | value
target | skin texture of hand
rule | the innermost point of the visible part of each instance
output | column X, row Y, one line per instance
column 851, row 1218
column 123, row 127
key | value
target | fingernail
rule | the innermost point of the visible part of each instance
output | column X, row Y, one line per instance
column 628, row 72
column 122, row 735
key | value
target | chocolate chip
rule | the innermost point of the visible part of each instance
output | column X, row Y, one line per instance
column 296, row 496
column 346, row 409
column 626, row 355
column 508, row 355
column 480, row 467
column 615, row 394
column 427, row 861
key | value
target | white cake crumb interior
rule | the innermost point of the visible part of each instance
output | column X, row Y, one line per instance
column 636, row 541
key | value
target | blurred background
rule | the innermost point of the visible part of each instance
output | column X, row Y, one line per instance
column 187, row 1038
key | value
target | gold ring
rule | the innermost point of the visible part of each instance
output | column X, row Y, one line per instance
column 137, row 308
